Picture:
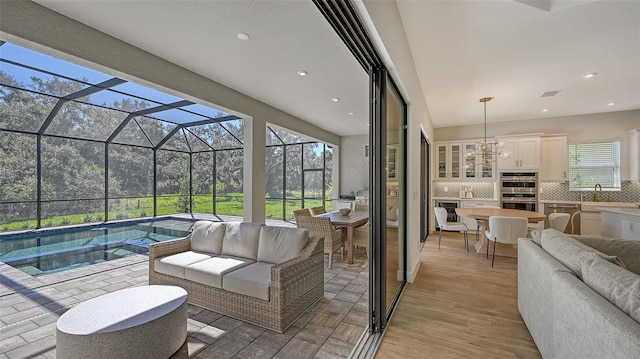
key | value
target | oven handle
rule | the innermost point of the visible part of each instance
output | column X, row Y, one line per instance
column 519, row 200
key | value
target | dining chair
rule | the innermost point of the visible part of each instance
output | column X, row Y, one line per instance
column 318, row 210
column 300, row 213
column 479, row 222
column 321, row 226
column 441, row 218
column 505, row 230
column 559, row 221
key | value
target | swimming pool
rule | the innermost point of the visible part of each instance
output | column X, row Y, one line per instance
column 50, row 251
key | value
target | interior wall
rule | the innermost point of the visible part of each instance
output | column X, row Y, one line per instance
column 384, row 26
column 354, row 175
column 596, row 126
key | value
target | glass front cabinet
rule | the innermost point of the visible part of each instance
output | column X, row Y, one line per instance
column 453, row 163
column 473, row 166
column 449, row 158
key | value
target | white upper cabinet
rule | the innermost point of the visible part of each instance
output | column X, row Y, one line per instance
column 525, row 154
column 473, row 167
column 554, row 159
column 449, row 157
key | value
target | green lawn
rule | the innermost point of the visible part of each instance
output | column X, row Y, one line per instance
column 230, row 204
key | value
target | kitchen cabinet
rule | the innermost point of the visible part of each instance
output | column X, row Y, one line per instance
column 554, row 159
column 621, row 223
column 630, row 228
column 449, row 158
column 525, row 153
column 475, row 170
column 590, row 224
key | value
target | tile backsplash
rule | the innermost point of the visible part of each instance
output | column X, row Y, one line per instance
column 630, row 192
column 548, row 191
column 481, row 190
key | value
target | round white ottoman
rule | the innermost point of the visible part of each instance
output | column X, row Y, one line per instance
column 140, row 322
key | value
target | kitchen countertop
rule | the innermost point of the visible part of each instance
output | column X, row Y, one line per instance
column 629, row 211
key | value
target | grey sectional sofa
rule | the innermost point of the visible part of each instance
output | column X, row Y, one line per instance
column 565, row 315
column 265, row 275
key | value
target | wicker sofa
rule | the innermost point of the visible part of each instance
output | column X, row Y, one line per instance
column 265, row 275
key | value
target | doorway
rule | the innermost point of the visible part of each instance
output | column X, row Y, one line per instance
column 425, row 180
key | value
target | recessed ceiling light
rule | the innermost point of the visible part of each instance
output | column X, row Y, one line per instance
column 243, row 36
column 589, row 75
column 303, row 73
column 351, row 114
column 335, row 99
column 545, row 110
column 612, row 103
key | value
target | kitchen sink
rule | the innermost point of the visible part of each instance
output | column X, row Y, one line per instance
column 594, row 206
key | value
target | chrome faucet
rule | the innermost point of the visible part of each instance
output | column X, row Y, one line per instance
column 596, row 198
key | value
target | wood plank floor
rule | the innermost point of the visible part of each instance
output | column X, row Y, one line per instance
column 459, row 307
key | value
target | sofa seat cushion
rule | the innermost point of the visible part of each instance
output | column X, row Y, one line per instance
column 210, row 271
column 241, row 239
column 207, row 236
column 570, row 252
column 253, row 280
column 619, row 286
column 626, row 249
column 279, row 244
column 174, row 264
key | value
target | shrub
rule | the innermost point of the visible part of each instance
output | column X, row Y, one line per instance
column 65, row 221
column 87, row 218
column 24, row 225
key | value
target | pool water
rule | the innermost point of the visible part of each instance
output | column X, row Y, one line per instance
column 51, row 251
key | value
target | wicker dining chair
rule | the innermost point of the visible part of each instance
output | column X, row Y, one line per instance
column 300, row 213
column 321, row 226
column 318, row 210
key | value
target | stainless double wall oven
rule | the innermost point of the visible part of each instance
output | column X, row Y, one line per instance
column 519, row 190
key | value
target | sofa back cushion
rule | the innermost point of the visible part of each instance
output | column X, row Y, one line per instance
column 279, row 244
column 570, row 252
column 619, row 286
column 241, row 239
column 207, row 236
column 625, row 249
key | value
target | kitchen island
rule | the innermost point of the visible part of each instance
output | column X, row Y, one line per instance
column 621, row 223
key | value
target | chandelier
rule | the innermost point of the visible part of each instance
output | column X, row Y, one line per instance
column 487, row 151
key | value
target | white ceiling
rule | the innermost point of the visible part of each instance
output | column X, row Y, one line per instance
column 463, row 50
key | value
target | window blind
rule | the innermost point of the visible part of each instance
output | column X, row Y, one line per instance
column 594, row 163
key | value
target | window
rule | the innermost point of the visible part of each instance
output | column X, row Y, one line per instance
column 594, row 163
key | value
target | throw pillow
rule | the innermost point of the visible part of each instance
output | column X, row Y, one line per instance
column 570, row 252
column 279, row 244
column 617, row 285
column 625, row 249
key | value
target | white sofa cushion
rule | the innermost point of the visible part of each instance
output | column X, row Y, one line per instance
column 279, row 244
column 570, row 252
column 241, row 239
column 174, row 264
column 210, row 271
column 620, row 286
column 253, row 280
column 207, row 236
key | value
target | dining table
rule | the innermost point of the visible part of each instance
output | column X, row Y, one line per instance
column 349, row 222
column 483, row 214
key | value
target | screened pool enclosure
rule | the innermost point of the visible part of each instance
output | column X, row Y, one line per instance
column 81, row 146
